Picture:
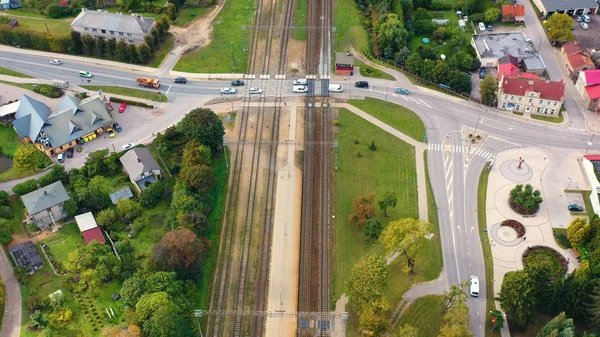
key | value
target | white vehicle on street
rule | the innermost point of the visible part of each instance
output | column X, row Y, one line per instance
column 474, row 286
column 255, row 91
column 300, row 88
column 301, row 81
column 56, row 62
column 336, row 88
column 226, row 91
column 127, row 146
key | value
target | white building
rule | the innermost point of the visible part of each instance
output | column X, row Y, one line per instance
column 129, row 28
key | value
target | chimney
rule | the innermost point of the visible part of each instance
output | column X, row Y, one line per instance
column 139, row 160
column 84, row 9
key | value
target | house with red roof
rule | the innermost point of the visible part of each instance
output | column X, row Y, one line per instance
column 513, row 13
column 575, row 59
column 89, row 228
column 510, row 69
column 588, row 86
column 531, row 95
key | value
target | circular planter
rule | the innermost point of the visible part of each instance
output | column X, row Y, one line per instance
column 514, row 224
column 521, row 209
column 559, row 262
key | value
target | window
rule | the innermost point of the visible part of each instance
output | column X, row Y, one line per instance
column 541, row 101
column 61, row 147
column 548, row 103
column 94, row 30
column 129, row 35
column 531, row 100
column 555, row 103
column 120, row 33
column 528, row 109
column 553, row 111
column 112, row 32
column 512, row 98
column 538, row 110
column 520, row 98
column 518, row 107
column 130, row 41
column 503, row 105
column 103, row 31
column 546, row 110
column 86, row 28
column 505, row 96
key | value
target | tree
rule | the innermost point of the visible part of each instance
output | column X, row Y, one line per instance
column 5, row 232
column 179, row 251
column 148, row 303
column 75, row 45
column 199, row 178
column 578, row 232
column 461, row 60
column 374, row 317
column 492, row 14
column 172, row 11
column 57, row 173
column 38, row 321
column 407, row 330
column 111, row 48
column 440, row 34
column 100, row 49
column 128, row 209
column 390, row 33
column 440, row 72
column 402, row 55
column 91, row 195
column 373, row 230
column 132, row 55
column 121, row 51
column 558, row 27
column 132, row 289
column 145, row 53
column 414, row 63
column 423, row 3
column 21, row 273
column 558, row 326
column 89, row 44
column 118, row 331
column 373, row 147
column 455, row 295
column 474, row 6
column 28, row 158
column 149, row 39
column 362, row 210
column 517, row 298
column 152, row 195
column 406, row 236
column 106, row 217
column 367, row 282
column 488, row 89
column 203, row 125
column 168, row 321
column 196, row 222
column 389, row 200
column 524, row 199
column 459, row 81
column 87, row 257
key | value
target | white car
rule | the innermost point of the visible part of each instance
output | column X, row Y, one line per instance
column 584, row 25
column 255, row 91
column 127, row 146
column 56, row 62
column 227, row 91
column 482, row 26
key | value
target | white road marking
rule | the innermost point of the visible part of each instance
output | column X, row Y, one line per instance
column 406, row 99
column 414, row 100
column 427, row 105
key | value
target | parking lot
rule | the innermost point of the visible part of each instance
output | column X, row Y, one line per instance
column 588, row 38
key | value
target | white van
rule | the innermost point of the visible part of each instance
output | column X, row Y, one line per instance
column 474, row 286
column 335, row 88
column 300, row 88
column 301, row 81
column 482, row 26
column 586, row 18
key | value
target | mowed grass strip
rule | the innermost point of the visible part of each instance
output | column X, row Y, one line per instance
column 9, row 140
column 389, row 169
column 349, row 29
column 139, row 93
column 397, row 116
column 57, row 27
column 10, row 72
column 425, row 314
column 227, row 38
column 162, row 52
column 300, row 20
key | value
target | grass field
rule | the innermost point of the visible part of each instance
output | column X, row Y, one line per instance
column 58, row 27
column 189, row 14
column 549, row 119
column 300, row 20
column 425, row 314
column 349, row 28
column 227, row 38
column 65, row 241
column 162, row 52
column 9, row 140
column 368, row 71
column 432, row 214
column 10, row 72
column 397, row 116
column 18, row 215
column 139, row 93
column 390, row 168
column 20, row 85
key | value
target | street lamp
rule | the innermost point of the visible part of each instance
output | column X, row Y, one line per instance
column 386, row 90
column 589, row 144
column 540, row 46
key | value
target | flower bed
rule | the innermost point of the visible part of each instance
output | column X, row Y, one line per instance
column 521, row 208
column 547, row 255
column 514, row 224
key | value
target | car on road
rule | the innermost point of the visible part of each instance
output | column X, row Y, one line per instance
column 402, row 91
column 300, row 81
column 86, row 74
column 227, row 91
column 575, row 208
column 255, row 91
column 56, row 62
column 181, row 80
column 127, row 146
column 584, row 25
column 362, row 84
column 482, row 72
column 237, row 83
column 117, row 127
column 300, row 88
column 122, row 107
column 111, row 132
column 70, row 152
column 61, row 158
column 474, row 286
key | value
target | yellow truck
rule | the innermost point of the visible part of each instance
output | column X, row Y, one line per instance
column 148, row 82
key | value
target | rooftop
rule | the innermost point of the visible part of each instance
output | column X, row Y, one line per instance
column 45, row 197
column 534, row 63
column 89, row 228
column 344, row 58
column 519, row 86
column 122, row 193
column 501, row 44
column 554, row 5
column 138, row 161
column 99, row 19
column 571, row 47
column 593, row 91
column 514, row 10
column 592, row 77
column 25, row 254
column 578, row 61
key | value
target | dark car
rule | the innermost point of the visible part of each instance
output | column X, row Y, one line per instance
column 490, row 28
column 575, row 208
column 361, row 84
column 237, row 83
column 70, row 153
column 482, row 72
column 117, row 127
column 182, row 80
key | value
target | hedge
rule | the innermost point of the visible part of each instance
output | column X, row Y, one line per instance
column 48, row 90
column 129, row 102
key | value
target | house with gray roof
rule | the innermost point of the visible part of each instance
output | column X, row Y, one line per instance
column 99, row 23
column 26, row 255
column 141, row 167
column 493, row 47
column 54, row 132
column 46, row 205
column 571, row 7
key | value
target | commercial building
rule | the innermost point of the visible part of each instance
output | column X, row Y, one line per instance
column 588, row 86
column 532, row 96
column 571, row 7
column 491, row 47
column 129, row 28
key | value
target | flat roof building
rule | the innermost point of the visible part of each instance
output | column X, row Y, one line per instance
column 571, row 7
column 491, row 47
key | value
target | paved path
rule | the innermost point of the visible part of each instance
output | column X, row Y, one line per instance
column 11, row 325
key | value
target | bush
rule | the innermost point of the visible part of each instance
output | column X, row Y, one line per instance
column 4, row 198
column 525, row 200
column 477, row 17
column 6, row 212
column 441, row 6
column 48, row 90
column 32, row 226
column 25, row 187
column 514, row 224
column 129, row 102
column 152, row 195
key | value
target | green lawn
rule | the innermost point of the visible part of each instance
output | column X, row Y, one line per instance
column 58, row 27
column 390, row 168
column 397, row 116
column 368, row 71
column 560, row 236
column 130, row 92
column 10, row 72
column 13, row 174
column 189, row 14
column 549, row 119
column 9, row 140
column 65, row 241
column 18, row 215
column 349, row 29
column 152, row 232
column 432, row 214
column 227, row 38
column 162, row 52
column 425, row 314
column 487, row 250
column 300, row 20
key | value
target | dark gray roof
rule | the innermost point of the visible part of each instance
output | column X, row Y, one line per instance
column 134, row 23
column 534, row 63
column 122, row 193
column 344, row 58
column 554, row 5
column 137, row 161
column 25, row 254
column 45, row 197
column 34, row 114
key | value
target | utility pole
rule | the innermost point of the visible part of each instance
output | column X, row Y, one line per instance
column 47, row 30
column 589, row 144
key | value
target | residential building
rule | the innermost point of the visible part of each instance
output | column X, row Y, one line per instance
column 89, row 228
column 46, row 205
column 492, row 47
column 590, row 164
column 129, row 28
column 26, row 255
column 571, row 7
column 513, row 13
column 588, row 86
column 74, row 121
column 511, row 70
column 344, row 63
column 575, row 59
column 141, row 167
column 534, row 65
column 531, row 96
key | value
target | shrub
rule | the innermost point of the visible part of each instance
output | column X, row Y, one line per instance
column 32, row 226
column 130, row 102
column 48, row 90
column 514, row 224
column 25, row 187
column 6, row 212
column 3, row 198
column 337, row 123
column 525, row 200
column 152, row 195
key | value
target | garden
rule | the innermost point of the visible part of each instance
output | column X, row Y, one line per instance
column 553, row 260
column 514, row 224
column 525, row 200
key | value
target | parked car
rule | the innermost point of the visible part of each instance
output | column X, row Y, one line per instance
column 122, row 107
column 585, row 18
column 578, row 18
column 237, row 83
column 127, row 146
column 490, row 28
column 361, row 84
column 575, row 208
column 70, row 152
column 111, row 132
column 117, row 127
column 482, row 72
column 482, row 26
column 227, row 91
column 584, row 25
column 255, row 91
column 56, row 62
column 61, row 158
column 402, row 91
column 181, row 80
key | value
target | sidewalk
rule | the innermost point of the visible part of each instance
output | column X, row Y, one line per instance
column 11, row 321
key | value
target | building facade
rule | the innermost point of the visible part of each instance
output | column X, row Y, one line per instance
column 571, row 7
column 588, row 86
column 128, row 28
column 531, row 96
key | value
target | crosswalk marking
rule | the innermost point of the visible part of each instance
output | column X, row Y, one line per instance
column 265, row 76
column 458, row 149
column 280, row 77
column 250, row 76
column 483, row 154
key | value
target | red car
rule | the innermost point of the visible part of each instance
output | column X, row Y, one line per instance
column 122, row 107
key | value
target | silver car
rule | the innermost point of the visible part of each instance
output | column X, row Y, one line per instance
column 227, row 91
column 255, row 91
column 584, row 25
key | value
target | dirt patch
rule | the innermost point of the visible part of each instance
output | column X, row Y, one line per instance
column 197, row 34
column 296, row 57
column 17, row 239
